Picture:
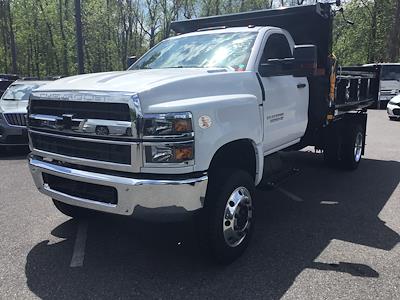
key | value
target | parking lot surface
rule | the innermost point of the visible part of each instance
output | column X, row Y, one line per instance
column 321, row 234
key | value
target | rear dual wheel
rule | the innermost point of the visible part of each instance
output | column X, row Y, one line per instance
column 352, row 148
column 346, row 151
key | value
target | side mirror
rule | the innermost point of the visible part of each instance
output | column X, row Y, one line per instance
column 305, row 57
column 131, row 60
column 268, row 69
column 277, row 67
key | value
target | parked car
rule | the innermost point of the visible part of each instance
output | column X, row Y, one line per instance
column 393, row 108
column 13, row 111
column 389, row 82
column 5, row 81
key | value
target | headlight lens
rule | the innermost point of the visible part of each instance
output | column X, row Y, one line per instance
column 169, row 128
column 167, row 124
column 170, row 153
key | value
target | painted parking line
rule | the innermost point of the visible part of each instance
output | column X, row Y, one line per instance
column 289, row 194
column 80, row 244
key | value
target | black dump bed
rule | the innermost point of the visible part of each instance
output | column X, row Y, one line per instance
column 357, row 86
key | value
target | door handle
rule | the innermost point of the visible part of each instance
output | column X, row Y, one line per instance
column 301, row 85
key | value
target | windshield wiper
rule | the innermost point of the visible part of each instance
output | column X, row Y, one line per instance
column 183, row 67
column 9, row 99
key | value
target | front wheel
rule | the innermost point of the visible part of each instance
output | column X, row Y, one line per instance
column 226, row 223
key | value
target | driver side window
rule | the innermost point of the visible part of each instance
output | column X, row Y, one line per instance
column 277, row 47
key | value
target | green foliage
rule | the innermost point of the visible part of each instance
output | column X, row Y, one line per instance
column 45, row 42
column 370, row 38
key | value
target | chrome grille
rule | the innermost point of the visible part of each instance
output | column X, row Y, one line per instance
column 114, row 153
column 16, row 119
column 96, row 129
column 81, row 110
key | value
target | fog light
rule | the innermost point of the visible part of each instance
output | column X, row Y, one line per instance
column 173, row 153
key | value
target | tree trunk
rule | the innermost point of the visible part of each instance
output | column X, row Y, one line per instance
column 394, row 42
column 36, row 47
column 29, row 58
column 371, row 49
column 4, row 35
column 107, row 47
column 79, row 37
column 64, row 39
column 53, row 50
column 14, row 68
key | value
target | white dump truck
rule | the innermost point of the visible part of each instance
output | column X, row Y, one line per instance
column 192, row 126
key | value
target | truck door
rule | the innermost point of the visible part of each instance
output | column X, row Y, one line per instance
column 286, row 98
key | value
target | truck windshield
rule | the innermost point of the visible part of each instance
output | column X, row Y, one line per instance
column 390, row 72
column 225, row 50
column 19, row 92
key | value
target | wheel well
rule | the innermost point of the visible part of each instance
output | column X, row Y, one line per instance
column 237, row 154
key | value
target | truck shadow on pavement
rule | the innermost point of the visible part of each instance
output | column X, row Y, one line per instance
column 131, row 259
column 13, row 153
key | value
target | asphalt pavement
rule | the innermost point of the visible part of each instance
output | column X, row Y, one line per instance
column 322, row 234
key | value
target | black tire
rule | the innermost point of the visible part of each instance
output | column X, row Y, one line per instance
column 70, row 210
column 212, row 218
column 349, row 157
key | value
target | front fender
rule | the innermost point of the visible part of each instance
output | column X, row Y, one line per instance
column 233, row 117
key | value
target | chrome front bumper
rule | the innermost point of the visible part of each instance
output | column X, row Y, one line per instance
column 144, row 198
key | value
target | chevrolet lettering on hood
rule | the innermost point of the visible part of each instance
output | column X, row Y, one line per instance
column 87, row 96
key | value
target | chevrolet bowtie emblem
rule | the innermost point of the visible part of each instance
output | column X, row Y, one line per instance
column 67, row 121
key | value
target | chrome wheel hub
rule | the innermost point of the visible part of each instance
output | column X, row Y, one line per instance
column 358, row 147
column 237, row 216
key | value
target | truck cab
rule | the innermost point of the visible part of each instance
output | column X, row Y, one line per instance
column 190, row 127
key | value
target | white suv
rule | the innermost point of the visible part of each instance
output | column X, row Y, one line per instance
column 393, row 108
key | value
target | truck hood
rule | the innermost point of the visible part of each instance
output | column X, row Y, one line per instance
column 125, row 81
column 157, row 86
column 13, row 106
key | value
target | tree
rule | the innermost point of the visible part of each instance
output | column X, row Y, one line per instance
column 61, row 17
column 374, row 37
column 394, row 42
column 48, row 37
column 79, row 37
column 11, row 35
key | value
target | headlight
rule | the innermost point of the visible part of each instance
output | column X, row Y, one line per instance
column 167, row 124
column 170, row 153
column 169, row 138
